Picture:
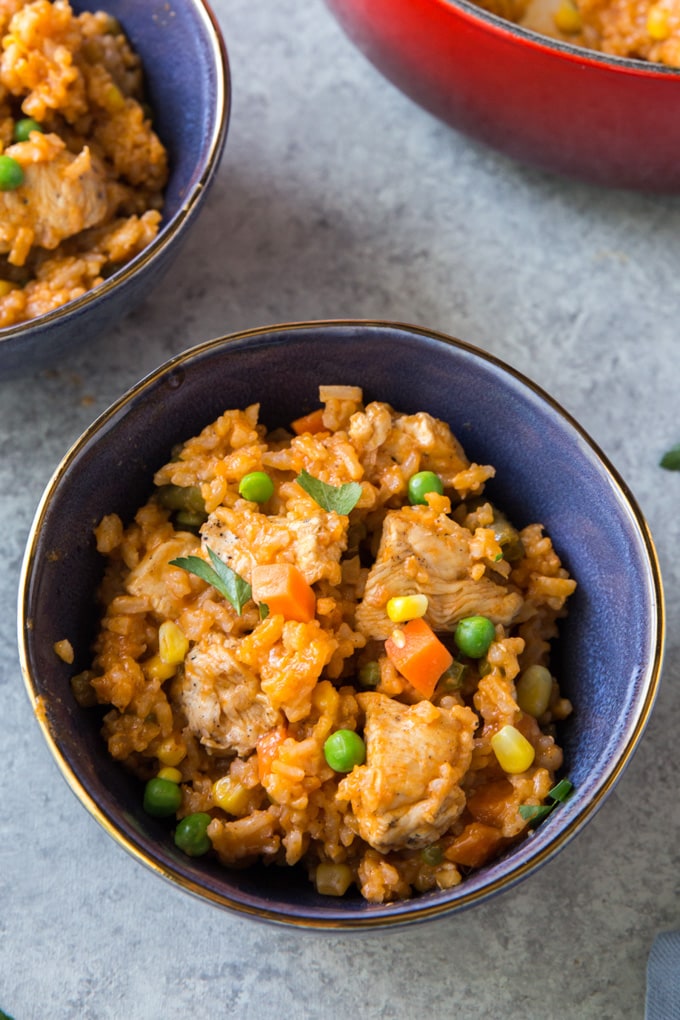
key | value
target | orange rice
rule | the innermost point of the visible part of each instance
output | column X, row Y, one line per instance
column 93, row 176
column 240, row 706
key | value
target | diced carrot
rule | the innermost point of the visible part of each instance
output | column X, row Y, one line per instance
column 475, row 845
column 267, row 748
column 493, row 803
column 419, row 655
column 312, row 422
column 284, row 590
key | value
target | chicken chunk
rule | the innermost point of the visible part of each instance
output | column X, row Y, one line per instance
column 425, row 551
column 222, row 699
column 408, row 794
column 59, row 197
column 243, row 538
column 148, row 580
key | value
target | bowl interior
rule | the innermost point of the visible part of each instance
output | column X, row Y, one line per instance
column 607, row 659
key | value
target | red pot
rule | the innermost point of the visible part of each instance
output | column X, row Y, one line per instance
column 608, row 120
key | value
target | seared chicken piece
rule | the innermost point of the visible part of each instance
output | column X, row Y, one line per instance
column 383, row 437
column 222, row 698
column 59, row 197
column 149, row 578
column 408, row 794
column 425, row 551
column 244, row 538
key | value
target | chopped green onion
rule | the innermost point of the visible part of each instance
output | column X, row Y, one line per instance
column 558, row 795
column 452, row 678
column 369, row 675
column 432, row 855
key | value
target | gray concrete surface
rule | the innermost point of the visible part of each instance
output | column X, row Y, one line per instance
column 338, row 197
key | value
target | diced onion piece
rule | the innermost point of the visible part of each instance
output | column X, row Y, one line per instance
column 354, row 393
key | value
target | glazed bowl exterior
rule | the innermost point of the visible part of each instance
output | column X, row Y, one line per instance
column 187, row 79
column 548, row 470
column 608, row 120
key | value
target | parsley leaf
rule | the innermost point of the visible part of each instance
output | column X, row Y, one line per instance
column 537, row 812
column 339, row 498
column 227, row 582
column 671, row 459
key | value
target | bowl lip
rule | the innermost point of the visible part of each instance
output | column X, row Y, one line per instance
column 578, row 54
column 416, row 909
column 184, row 214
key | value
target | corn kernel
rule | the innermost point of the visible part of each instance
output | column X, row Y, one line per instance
column 5, row 288
column 514, row 752
column 171, row 752
column 406, row 607
column 172, row 643
column 657, row 23
column 333, row 879
column 231, row 796
column 172, row 775
column 114, row 99
column 155, row 669
column 534, row 690
column 567, row 18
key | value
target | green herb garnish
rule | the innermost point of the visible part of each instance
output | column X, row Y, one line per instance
column 227, row 582
column 558, row 795
column 671, row 459
column 339, row 498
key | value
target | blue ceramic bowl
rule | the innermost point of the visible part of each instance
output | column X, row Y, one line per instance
column 187, row 78
column 548, row 470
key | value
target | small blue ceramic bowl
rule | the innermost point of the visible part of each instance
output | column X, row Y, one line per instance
column 187, row 79
column 548, row 470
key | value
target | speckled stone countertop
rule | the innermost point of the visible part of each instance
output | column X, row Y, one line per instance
column 338, row 197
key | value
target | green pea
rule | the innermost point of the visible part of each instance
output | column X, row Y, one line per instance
column 191, row 835
column 432, row 855
column 257, row 487
column 421, row 483
column 343, row 750
column 473, row 635
column 186, row 498
column 23, row 128
column 369, row 675
column 161, row 798
column 186, row 520
column 11, row 174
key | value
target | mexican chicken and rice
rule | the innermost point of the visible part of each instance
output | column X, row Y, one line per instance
column 323, row 646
